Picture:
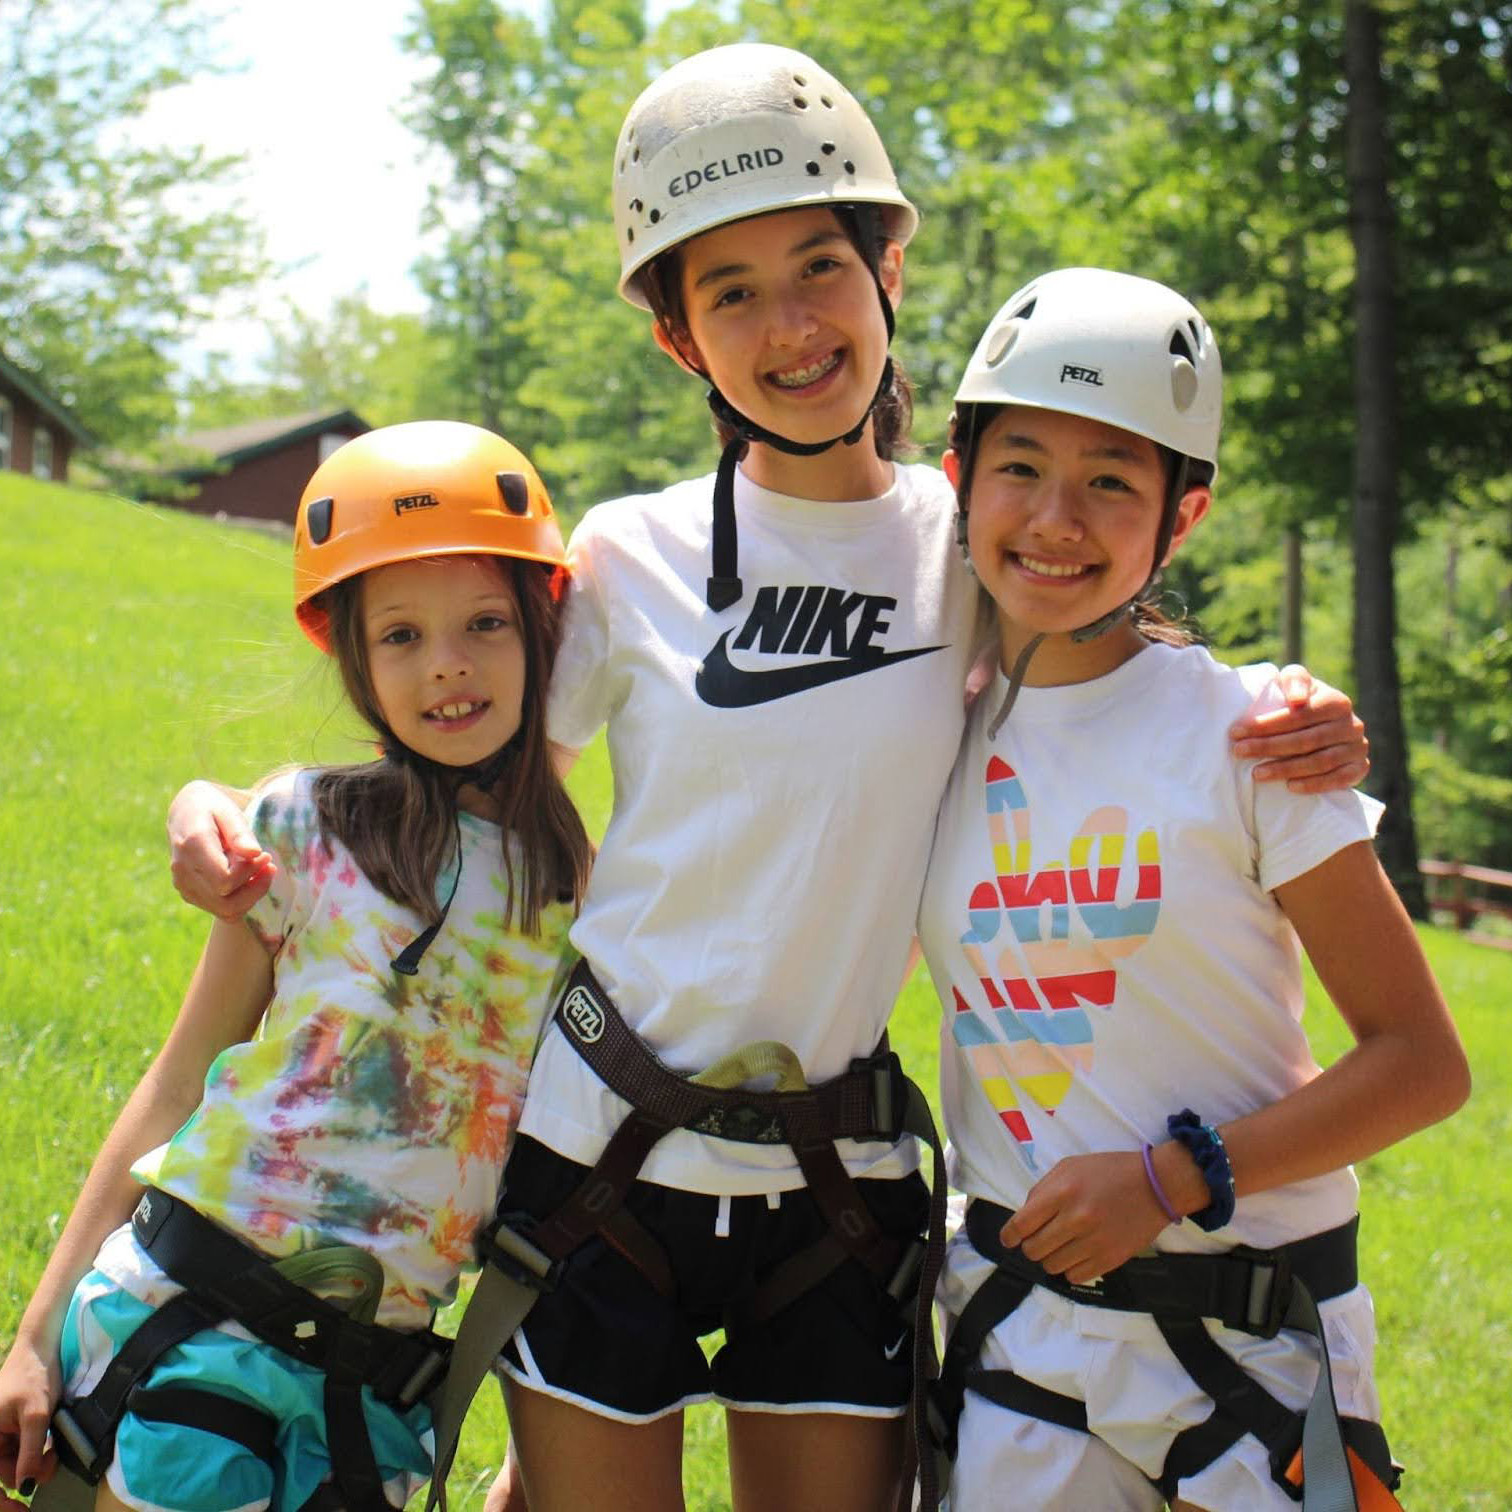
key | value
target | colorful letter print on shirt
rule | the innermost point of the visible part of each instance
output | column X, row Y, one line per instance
column 1034, row 1031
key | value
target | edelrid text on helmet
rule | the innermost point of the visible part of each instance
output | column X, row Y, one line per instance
column 738, row 131
column 427, row 488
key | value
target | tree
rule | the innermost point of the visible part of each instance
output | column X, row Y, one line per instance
column 1375, row 465
column 107, row 261
column 388, row 367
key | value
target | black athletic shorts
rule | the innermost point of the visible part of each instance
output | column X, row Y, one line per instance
column 608, row 1341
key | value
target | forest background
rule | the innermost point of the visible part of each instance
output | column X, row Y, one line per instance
column 1330, row 183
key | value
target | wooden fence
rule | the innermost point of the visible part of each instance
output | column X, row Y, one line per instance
column 1470, row 893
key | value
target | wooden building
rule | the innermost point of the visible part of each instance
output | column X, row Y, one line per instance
column 37, row 433
column 260, row 468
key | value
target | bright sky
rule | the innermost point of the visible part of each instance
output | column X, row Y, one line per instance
column 332, row 176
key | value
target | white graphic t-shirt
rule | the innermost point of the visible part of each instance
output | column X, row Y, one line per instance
column 777, row 766
column 1099, row 925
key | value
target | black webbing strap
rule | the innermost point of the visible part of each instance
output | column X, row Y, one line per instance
column 224, row 1279
column 1254, row 1291
column 209, row 1412
column 83, row 1430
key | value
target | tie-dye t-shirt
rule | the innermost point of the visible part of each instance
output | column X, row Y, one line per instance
column 372, row 1109
column 1099, row 924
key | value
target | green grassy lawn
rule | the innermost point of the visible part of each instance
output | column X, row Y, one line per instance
column 144, row 646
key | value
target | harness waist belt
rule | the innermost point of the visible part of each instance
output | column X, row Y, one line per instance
column 866, row 1102
column 238, row 1283
column 1243, row 1288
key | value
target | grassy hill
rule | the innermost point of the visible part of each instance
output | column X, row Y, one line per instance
column 144, row 646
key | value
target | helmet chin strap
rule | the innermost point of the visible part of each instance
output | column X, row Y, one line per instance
column 482, row 774
column 1100, row 626
column 724, row 588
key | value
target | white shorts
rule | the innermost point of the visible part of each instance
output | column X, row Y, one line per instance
column 1138, row 1398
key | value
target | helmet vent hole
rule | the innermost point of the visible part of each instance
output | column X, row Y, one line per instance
column 637, row 205
column 635, row 156
column 800, row 102
column 1002, row 342
column 1195, row 327
column 630, row 234
column 1181, row 347
column 655, row 216
column 800, row 81
column 515, row 492
column 827, row 148
column 850, row 167
column 318, row 520
column 1024, row 311
column 813, row 169
column 1183, row 384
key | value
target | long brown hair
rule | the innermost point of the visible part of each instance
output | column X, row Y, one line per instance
column 398, row 816
column 892, row 418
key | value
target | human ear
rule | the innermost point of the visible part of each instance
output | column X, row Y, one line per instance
column 951, row 464
column 1194, row 504
column 679, row 348
column 890, row 272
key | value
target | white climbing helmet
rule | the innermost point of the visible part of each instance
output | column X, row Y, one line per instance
column 1108, row 346
column 736, row 131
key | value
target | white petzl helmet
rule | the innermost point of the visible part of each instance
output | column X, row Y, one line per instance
column 1108, row 346
column 736, row 131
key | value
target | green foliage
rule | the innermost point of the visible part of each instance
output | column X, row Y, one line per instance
column 388, row 368
column 108, row 259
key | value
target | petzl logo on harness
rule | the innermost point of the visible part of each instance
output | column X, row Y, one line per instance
column 1072, row 373
column 583, row 1016
column 416, row 501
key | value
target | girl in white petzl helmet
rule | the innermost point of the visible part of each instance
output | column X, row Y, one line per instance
column 1110, row 918
column 778, row 652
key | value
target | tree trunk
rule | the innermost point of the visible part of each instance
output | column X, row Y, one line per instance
column 1375, row 501
column 1292, row 591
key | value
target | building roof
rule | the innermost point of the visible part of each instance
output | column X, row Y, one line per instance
column 55, row 410
column 231, row 444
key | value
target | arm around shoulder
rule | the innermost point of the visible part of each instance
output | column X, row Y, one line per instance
column 218, row 864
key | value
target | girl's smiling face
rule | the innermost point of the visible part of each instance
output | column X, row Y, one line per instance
column 1062, row 521
column 446, row 655
column 782, row 313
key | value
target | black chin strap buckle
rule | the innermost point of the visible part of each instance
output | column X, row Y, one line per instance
column 722, row 592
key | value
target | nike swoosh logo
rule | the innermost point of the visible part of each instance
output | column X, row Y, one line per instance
column 892, row 1354
column 722, row 685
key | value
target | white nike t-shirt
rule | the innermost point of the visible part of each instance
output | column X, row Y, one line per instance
column 777, row 767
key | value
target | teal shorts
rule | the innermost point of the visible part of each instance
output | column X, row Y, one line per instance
column 165, row 1467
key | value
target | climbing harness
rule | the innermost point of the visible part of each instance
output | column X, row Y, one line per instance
column 1254, row 1291
column 873, row 1100
column 225, row 1280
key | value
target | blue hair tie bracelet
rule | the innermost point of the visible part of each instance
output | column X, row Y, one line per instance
column 1205, row 1145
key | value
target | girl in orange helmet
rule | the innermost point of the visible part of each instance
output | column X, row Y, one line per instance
column 323, row 1131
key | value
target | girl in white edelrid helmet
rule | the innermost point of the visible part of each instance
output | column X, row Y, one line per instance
column 1137, row 1296
column 322, row 1134
column 764, row 645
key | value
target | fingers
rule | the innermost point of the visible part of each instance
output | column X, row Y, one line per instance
column 34, row 1460
column 1297, row 685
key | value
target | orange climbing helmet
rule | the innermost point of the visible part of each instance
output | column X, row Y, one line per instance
column 427, row 488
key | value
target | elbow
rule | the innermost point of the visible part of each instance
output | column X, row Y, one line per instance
column 1448, row 1089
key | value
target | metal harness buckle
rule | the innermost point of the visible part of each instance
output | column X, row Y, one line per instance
column 508, row 1250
